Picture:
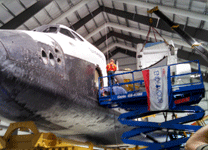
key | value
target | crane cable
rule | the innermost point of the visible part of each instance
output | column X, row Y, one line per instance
column 107, row 57
column 154, row 31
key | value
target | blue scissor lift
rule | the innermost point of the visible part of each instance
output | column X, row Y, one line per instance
column 184, row 90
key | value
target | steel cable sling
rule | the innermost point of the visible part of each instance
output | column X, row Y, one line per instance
column 153, row 30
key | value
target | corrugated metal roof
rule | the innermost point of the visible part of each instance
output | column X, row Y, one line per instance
column 90, row 15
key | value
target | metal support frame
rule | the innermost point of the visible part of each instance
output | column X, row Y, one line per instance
column 141, row 19
column 25, row 15
column 148, row 127
column 118, row 35
column 38, row 140
column 121, row 50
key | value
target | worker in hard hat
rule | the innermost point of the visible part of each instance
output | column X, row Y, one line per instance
column 111, row 68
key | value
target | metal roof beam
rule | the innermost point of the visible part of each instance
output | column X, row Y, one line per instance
column 135, row 31
column 121, row 50
column 118, row 35
column 87, row 18
column 191, row 56
column 182, row 54
column 25, row 15
column 103, row 39
column 70, row 11
column 112, row 46
column 26, row 8
column 201, row 34
column 133, row 54
column 7, row 9
column 185, row 13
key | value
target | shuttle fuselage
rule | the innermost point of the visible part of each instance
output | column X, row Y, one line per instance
column 49, row 76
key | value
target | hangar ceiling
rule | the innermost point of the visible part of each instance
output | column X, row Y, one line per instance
column 114, row 26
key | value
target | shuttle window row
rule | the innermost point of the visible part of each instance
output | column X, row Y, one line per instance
column 70, row 34
column 77, row 36
column 51, row 29
column 66, row 32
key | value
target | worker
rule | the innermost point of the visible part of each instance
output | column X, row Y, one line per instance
column 111, row 68
column 198, row 141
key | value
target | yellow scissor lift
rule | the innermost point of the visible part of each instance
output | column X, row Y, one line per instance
column 43, row 141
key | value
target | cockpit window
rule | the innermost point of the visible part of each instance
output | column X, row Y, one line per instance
column 67, row 33
column 77, row 36
column 51, row 29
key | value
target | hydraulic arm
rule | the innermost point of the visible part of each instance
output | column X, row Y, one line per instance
column 186, row 37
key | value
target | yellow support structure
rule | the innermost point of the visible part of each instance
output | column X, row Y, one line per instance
column 38, row 140
column 152, row 10
column 137, row 147
column 130, row 87
column 150, row 21
column 154, row 115
column 196, row 44
column 201, row 122
column 174, row 26
column 44, row 141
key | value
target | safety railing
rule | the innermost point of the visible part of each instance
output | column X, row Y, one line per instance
column 127, row 84
column 184, row 79
column 131, row 84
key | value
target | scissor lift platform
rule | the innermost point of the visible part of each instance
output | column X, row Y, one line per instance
column 184, row 89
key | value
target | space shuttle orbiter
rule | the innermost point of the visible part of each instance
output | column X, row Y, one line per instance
column 50, row 76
